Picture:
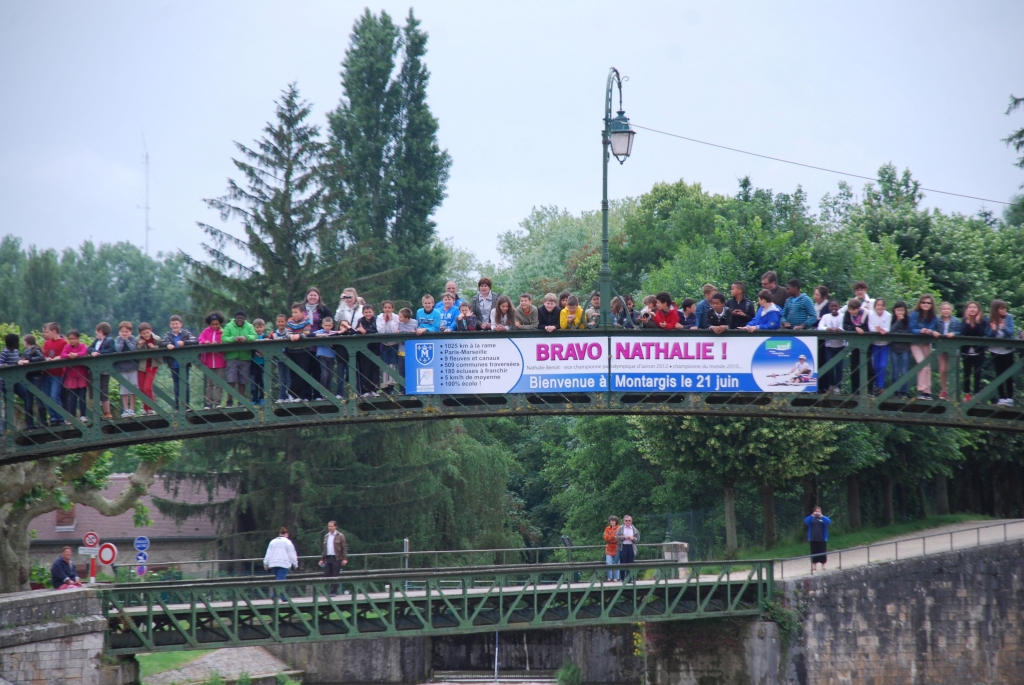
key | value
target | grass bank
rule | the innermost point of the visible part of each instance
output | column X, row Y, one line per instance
column 158, row 662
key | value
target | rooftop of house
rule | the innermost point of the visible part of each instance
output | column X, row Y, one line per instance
column 63, row 526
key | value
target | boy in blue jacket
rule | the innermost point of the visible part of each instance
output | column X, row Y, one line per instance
column 768, row 317
column 817, row 534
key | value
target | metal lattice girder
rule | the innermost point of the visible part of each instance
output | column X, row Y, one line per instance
column 147, row 617
column 183, row 415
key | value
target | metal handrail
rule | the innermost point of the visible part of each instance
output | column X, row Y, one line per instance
column 896, row 543
column 183, row 415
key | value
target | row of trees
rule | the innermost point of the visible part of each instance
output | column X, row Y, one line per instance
column 678, row 237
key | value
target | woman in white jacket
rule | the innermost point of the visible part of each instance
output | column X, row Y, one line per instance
column 281, row 556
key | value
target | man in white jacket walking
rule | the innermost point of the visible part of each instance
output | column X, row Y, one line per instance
column 281, row 556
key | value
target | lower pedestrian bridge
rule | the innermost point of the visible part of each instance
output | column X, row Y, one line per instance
column 765, row 374
column 148, row 617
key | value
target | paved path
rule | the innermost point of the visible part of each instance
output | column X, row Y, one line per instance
column 943, row 539
column 229, row 663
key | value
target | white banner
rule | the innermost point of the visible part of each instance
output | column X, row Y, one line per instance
column 489, row 364
column 713, row 364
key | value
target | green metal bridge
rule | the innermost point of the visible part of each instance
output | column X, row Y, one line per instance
column 148, row 617
column 184, row 416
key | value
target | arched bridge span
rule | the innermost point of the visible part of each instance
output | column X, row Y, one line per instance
column 489, row 374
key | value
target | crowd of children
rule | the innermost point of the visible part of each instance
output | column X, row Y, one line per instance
column 244, row 370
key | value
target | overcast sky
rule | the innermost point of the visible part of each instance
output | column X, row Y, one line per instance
column 518, row 89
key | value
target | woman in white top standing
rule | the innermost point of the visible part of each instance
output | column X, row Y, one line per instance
column 879, row 321
column 280, row 556
column 832, row 323
column 387, row 323
column 350, row 309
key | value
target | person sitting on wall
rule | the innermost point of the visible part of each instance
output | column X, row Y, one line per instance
column 63, row 574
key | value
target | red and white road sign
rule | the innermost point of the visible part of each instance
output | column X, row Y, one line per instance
column 107, row 554
column 90, row 539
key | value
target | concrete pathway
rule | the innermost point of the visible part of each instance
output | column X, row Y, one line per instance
column 229, row 663
column 933, row 541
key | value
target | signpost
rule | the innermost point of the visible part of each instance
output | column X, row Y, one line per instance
column 141, row 558
column 140, row 571
column 141, row 543
column 107, row 553
column 91, row 542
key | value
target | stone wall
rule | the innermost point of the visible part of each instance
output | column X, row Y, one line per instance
column 50, row 637
column 386, row 660
column 948, row 619
column 712, row 652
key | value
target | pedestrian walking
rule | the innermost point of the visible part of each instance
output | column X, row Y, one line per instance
column 817, row 534
column 627, row 538
column 280, row 557
column 611, row 546
column 333, row 553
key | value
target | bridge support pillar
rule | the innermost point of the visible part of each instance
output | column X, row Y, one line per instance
column 386, row 660
column 745, row 652
column 49, row 636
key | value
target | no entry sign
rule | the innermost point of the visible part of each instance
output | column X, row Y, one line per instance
column 107, row 554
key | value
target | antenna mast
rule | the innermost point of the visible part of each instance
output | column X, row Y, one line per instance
column 145, row 163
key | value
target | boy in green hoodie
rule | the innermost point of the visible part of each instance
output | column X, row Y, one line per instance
column 238, row 330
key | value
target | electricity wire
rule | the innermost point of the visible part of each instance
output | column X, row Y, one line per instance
column 808, row 166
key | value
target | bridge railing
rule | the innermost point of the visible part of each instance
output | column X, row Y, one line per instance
column 209, row 569
column 191, row 399
column 407, row 602
column 908, row 547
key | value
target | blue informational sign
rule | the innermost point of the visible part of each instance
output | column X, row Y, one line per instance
column 141, row 558
column 490, row 364
column 141, row 543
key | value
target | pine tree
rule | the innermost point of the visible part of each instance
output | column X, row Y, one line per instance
column 385, row 173
column 279, row 204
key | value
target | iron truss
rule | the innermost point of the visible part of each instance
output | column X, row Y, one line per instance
column 184, row 416
column 147, row 617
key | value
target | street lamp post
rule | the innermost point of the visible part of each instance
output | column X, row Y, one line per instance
column 618, row 136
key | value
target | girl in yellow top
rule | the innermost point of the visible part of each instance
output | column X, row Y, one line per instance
column 572, row 315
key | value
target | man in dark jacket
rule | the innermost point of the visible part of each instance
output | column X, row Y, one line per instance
column 333, row 552
column 63, row 571
column 741, row 309
column 770, row 282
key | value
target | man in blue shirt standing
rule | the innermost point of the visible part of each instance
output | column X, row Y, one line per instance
column 817, row 534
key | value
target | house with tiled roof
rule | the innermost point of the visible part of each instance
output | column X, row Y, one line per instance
column 171, row 542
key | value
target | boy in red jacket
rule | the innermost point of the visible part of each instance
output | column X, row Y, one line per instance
column 54, row 378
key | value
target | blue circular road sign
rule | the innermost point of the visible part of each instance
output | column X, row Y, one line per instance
column 141, row 558
column 141, row 543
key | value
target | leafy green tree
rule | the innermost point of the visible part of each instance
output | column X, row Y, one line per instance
column 384, row 172
column 771, row 454
column 30, row 489
column 553, row 250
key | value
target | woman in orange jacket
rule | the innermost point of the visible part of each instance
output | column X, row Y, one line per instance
column 611, row 547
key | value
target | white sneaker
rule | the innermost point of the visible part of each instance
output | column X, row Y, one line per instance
column 339, row 397
column 1001, row 402
column 280, row 402
column 125, row 414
